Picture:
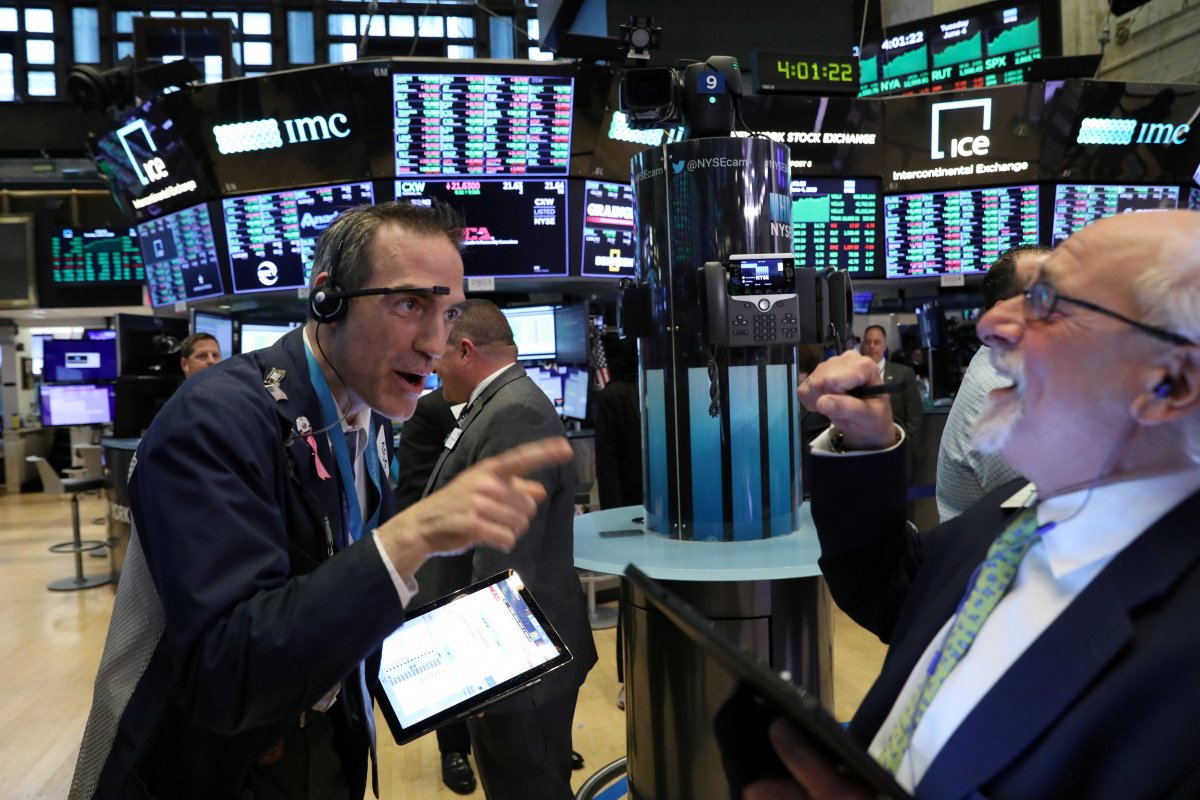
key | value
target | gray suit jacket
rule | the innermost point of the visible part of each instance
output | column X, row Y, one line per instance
column 906, row 406
column 512, row 410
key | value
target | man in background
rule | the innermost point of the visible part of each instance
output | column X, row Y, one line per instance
column 963, row 473
column 523, row 744
column 198, row 352
column 907, row 410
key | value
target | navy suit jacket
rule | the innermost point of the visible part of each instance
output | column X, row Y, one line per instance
column 260, row 621
column 1102, row 705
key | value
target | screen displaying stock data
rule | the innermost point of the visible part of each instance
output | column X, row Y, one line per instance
column 273, row 237
column 482, row 124
column 959, row 232
column 181, row 257
column 835, row 223
column 1077, row 205
column 95, row 257
column 609, row 245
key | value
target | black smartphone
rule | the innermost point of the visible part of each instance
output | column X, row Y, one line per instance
column 626, row 532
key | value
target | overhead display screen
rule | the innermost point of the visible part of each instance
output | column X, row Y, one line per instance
column 942, row 233
column 95, row 257
column 273, row 237
column 1077, row 205
column 181, row 257
column 835, row 223
column 480, row 125
column 608, row 234
column 979, row 47
column 514, row 229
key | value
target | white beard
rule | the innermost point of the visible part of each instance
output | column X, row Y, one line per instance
column 1001, row 412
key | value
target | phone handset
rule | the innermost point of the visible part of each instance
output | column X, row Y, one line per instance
column 716, row 303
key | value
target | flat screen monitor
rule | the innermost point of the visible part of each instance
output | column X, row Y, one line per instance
column 257, row 335
column 571, row 334
column 77, row 404
column 482, row 125
column 862, row 302
column 78, row 361
column 609, row 240
column 959, row 232
column 986, row 45
column 273, row 237
column 533, row 330
column 550, row 381
column 835, row 223
column 575, row 394
column 1194, row 199
column 513, row 229
column 149, row 345
column 180, row 253
column 1077, row 205
column 95, row 257
column 139, row 398
column 219, row 326
column 100, row 334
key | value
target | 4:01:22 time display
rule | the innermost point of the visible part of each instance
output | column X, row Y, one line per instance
column 805, row 70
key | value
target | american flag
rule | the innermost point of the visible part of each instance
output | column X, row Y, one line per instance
column 599, row 362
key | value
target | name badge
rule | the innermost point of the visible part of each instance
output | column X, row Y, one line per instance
column 452, row 438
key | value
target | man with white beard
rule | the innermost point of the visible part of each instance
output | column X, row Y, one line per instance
column 1043, row 644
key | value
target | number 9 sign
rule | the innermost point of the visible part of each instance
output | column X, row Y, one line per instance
column 710, row 83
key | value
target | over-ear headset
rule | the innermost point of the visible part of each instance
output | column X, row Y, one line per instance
column 325, row 302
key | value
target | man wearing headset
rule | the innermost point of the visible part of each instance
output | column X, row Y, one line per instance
column 244, row 644
column 1064, row 674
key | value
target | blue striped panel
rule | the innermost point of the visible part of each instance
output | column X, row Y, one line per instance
column 781, row 469
column 745, row 459
column 656, row 453
column 708, row 517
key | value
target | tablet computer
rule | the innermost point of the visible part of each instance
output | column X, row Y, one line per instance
column 456, row 655
column 761, row 696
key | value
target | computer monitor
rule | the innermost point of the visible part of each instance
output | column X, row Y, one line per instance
column 571, row 334
column 257, row 335
column 77, row 404
column 273, row 237
column 149, row 345
column 957, row 232
column 550, row 381
column 836, row 224
column 219, row 326
column 180, row 253
column 862, row 302
column 575, row 393
column 95, row 257
column 609, row 239
column 1077, row 205
column 78, row 361
column 138, row 399
column 533, row 330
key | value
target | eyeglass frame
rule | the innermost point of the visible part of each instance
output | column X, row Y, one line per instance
column 1055, row 296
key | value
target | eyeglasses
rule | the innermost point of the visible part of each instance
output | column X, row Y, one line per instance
column 1041, row 297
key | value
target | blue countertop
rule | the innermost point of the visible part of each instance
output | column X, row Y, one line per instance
column 120, row 444
column 791, row 556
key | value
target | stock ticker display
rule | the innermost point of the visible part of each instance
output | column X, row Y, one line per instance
column 959, row 232
column 95, row 256
column 835, row 223
column 180, row 256
column 1078, row 205
column 609, row 239
column 985, row 48
column 482, row 125
column 273, row 237
column 514, row 229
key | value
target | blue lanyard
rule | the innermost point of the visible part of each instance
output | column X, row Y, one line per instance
column 329, row 410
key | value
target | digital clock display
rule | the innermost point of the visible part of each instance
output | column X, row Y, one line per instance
column 807, row 73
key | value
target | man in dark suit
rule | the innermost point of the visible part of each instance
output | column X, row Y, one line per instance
column 266, row 563
column 522, row 745
column 1080, row 682
column 906, row 406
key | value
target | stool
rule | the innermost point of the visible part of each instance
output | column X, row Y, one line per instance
column 608, row 783
column 53, row 484
column 599, row 618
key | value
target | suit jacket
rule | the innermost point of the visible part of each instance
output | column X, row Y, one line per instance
column 512, row 410
column 907, row 410
column 1100, row 706
column 421, row 444
column 260, row 621
column 617, row 414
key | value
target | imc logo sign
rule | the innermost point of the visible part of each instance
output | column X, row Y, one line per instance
column 1099, row 130
column 265, row 134
column 970, row 117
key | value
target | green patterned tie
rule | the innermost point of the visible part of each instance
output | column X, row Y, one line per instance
column 995, row 575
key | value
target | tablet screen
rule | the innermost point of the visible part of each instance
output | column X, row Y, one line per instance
column 462, row 652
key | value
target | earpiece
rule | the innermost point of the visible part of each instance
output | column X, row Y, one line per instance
column 1164, row 387
column 325, row 303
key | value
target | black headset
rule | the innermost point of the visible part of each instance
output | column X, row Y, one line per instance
column 325, row 302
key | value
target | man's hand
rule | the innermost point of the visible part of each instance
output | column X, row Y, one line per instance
column 490, row 503
column 813, row 778
column 866, row 424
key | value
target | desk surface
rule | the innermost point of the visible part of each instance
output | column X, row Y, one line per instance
column 791, row 556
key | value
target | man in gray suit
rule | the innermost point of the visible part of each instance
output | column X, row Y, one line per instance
column 906, row 406
column 522, row 745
